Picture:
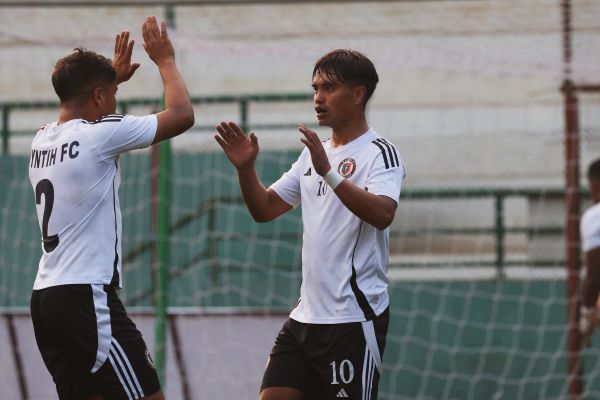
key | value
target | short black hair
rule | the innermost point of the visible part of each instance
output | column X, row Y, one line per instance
column 594, row 170
column 350, row 67
column 78, row 72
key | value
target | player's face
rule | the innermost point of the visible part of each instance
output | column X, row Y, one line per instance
column 334, row 100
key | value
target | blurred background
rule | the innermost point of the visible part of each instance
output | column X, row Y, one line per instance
column 493, row 105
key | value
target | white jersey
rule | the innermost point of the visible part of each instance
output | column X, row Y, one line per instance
column 344, row 259
column 74, row 171
column 590, row 228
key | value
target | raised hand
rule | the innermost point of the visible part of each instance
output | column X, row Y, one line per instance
column 317, row 153
column 241, row 149
column 122, row 59
column 156, row 41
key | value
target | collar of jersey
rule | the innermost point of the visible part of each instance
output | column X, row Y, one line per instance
column 54, row 127
column 367, row 136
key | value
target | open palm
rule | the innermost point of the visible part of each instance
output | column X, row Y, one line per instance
column 241, row 149
column 122, row 59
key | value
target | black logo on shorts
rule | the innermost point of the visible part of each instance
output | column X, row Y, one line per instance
column 149, row 359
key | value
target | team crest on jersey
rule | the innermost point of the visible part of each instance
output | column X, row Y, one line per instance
column 149, row 359
column 347, row 167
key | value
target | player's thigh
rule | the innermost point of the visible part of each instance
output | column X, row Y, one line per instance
column 128, row 371
column 350, row 366
column 289, row 371
column 65, row 328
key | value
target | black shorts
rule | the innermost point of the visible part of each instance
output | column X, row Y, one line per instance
column 329, row 361
column 89, row 344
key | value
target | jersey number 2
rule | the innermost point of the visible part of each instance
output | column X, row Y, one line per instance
column 45, row 187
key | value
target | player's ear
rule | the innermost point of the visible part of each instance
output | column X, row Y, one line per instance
column 97, row 95
column 359, row 95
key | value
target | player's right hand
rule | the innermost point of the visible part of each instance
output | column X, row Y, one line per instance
column 241, row 149
column 156, row 41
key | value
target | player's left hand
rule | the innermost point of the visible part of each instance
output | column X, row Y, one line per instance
column 122, row 59
column 319, row 158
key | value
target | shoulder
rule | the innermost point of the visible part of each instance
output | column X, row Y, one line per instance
column 590, row 228
column 386, row 150
column 110, row 118
column 591, row 217
column 42, row 129
column 120, row 122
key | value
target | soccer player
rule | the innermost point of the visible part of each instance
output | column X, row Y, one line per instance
column 590, row 236
column 332, row 344
column 87, row 341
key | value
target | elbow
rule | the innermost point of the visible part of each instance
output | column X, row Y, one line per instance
column 261, row 218
column 385, row 221
column 184, row 115
column 382, row 226
column 386, row 216
column 188, row 120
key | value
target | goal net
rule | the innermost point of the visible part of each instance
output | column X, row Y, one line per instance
column 469, row 93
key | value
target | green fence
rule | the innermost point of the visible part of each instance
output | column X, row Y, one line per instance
column 212, row 236
column 243, row 103
column 447, row 339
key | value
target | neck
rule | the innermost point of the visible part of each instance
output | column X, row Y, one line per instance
column 70, row 110
column 346, row 133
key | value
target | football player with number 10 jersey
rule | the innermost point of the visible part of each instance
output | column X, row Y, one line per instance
column 332, row 345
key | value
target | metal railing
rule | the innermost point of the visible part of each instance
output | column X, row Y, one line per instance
column 498, row 227
column 243, row 102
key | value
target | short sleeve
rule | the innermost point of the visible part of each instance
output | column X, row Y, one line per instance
column 386, row 176
column 590, row 229
column 288, row 186
column 128, row 133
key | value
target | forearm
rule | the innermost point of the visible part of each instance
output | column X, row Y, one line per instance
column 254, row 193
column 176, row 94
column 590, row 292
column 374, row 209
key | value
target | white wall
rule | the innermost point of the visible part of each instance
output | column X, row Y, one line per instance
column 469, row 91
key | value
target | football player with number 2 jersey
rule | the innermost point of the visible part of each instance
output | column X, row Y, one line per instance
column 88, row 343
column 331, row 346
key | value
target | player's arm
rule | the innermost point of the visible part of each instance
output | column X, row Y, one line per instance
column 241, row 149
column 590, row 292
column 178, row 115
column 376, row 210
column 591, row 283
